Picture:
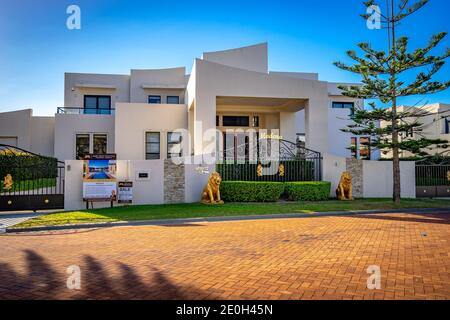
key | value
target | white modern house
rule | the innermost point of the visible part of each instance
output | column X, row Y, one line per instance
column 148, row 116
column 134, row 115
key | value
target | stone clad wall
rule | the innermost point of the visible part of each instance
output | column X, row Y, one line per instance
column 355, row 168
column 174, row 182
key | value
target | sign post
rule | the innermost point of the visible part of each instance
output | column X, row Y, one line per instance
column 99, row 178
column 125, row 192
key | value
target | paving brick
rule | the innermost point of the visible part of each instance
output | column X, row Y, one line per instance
column 310, row 258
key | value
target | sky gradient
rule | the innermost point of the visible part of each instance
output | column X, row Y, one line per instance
column 36, row 48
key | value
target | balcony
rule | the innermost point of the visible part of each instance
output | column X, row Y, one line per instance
column 81, row 110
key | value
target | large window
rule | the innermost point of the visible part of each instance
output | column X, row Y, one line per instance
column 96, row 143
column 447, row 125
column 82, row 145
column 235, row 121
column 364, row 148
column 152, row 145
column 97, row 104
column 173, row 99
column 154, row 99
column 100, row 143
column 174, row 144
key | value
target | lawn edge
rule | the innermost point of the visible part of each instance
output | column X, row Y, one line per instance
column 159, row 222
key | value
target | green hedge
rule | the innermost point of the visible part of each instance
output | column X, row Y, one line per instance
column 308, row 191
column 28, row 167
column 249, row 191
column 244, row 191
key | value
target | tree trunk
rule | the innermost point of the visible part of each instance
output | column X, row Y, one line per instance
column 395, row 155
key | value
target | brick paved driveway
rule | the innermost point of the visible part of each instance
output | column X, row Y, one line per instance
column 309, row 258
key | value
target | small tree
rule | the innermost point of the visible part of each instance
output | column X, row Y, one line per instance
column 380, row 73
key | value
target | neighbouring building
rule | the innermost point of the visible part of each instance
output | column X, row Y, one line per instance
column 136, row 115
column 435, row 120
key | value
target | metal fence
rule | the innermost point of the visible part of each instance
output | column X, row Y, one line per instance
column 30, row 181
column 293, row 163
column 432, row 180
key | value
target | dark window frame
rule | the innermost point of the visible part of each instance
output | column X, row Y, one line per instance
column 169, row 155
column 97, row 104
column 94, row 135
column 154, row 96
column 177, row 98
column 238, row 123
column 341, row 105
column 149, row 143
column 447, row 125
column 78, row 155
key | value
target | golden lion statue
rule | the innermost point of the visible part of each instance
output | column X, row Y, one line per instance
column 8, row 182
column 211, row 193
column 344, row 190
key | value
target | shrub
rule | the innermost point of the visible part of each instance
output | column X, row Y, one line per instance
column 27, row 167
column 243, row 191
column 308, row 191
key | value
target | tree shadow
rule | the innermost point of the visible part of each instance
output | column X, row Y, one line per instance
column 41, row 281
column 437, row 218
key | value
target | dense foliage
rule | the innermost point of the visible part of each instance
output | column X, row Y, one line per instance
column 308, row 191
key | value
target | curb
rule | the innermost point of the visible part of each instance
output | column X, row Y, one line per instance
column 223, row 219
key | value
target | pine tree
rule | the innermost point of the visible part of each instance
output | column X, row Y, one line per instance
column 381, row 72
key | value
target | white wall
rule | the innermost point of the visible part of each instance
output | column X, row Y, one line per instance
column 253, row 58
column 144, row 191
column 196, row 178
column 214, row 80
column 68, row 125
column 378, row 182
column 164, row 81
column 333, row 167
column 74, row 94
column 132, row 121
column 43, row 135
column 16, row 125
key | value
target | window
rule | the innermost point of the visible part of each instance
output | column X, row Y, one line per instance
column 353, row 148
column 173, row 99
column 343, row 105
column 364, row 148
column 447, row 125
column 154, row 99
column 82, row 145
column 97, row 104
column 100, row 144
column 152, row 145
column 235, row 121
column 255, row 122
column 174, row 144
column 217, row 121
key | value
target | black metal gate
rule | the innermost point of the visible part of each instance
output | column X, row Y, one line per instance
column 432, row 180
column 293, row 162
column 30, row 181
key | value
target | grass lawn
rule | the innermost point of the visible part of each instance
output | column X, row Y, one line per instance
column 172, row 211
column 26, row 185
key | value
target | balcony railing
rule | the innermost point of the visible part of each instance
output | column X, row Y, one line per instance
column 80, row 110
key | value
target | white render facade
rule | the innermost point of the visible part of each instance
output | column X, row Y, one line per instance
column 134, row 115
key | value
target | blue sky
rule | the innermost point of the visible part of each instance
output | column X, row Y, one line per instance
column 36, row 48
